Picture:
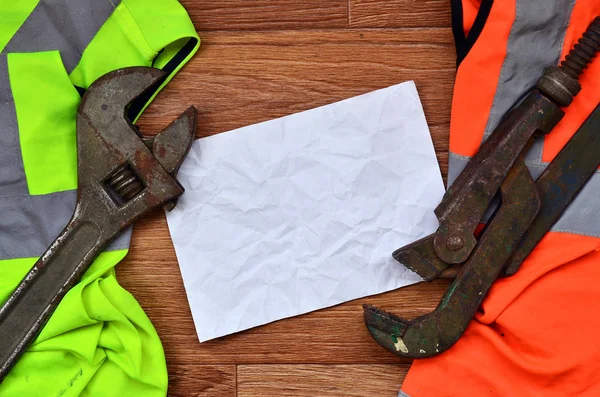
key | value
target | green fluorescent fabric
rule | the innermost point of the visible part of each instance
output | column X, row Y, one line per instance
column 99, row 342
column 155, row 33
column 14, row 14
column 48, row 142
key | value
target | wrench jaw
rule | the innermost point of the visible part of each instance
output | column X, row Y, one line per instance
column 172, row 145
column 385, row 328
column 437, row 331
column 421, row 258
column 107, row 98
column 418, row 338
column 126, row 172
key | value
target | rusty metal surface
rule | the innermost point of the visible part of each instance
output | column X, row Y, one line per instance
column 455, row 251
column 435, row 332
column 420, row 257
column 562, row 83
column 584, row 51
column 120, row 179
column 466, row 201
column 560, row 183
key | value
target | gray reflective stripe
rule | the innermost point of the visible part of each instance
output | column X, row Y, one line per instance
column 64, row 25
column 582, row 216
column 12, row 175
column 28, row 224
column 535, row 43
column 402, row 394
column 535, row 153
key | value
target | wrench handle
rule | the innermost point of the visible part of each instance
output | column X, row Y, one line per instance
column 42, row 289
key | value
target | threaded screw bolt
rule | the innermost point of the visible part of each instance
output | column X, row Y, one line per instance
column 584, row 51
column 562, row 83
column 124, row 184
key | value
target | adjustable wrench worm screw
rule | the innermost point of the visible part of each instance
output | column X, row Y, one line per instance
column 124, row 184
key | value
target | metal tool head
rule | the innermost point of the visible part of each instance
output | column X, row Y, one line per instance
column 437, row 331
column 113, row 152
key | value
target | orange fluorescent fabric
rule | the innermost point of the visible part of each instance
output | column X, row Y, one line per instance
column 535, row 336
column 477, row 79
column 536, row 332
column 470, row 9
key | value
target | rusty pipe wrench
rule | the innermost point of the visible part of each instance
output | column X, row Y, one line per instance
column 498, row 166
column 556, row 188
column 122, row 176
column 433, row 333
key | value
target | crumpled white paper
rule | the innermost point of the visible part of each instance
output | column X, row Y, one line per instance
column 303, row 212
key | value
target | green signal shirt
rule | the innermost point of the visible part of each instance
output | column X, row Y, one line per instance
column 99, row 342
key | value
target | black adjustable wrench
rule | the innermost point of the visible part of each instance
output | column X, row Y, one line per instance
column 122, row 176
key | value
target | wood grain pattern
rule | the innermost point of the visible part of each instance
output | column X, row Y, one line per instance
column 399, row 13
column 267, row 14
column 242, row 78
column 260, row 60
column 320, row 380
column 202, row 380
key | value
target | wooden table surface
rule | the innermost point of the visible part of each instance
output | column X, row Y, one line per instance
column 259, row 60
